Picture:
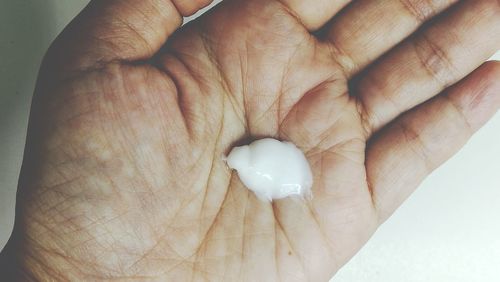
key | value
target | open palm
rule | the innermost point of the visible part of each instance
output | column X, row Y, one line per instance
column 124, row 175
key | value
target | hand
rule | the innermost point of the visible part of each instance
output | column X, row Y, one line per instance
column 124, row 178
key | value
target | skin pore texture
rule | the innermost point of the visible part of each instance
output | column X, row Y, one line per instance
column 123, row 177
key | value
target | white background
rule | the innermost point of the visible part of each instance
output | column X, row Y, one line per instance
column 449, row 230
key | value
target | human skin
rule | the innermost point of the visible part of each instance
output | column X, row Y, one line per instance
column 123, row 176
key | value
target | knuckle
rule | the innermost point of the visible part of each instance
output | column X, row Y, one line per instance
column 416, row 142
column 435, row 60
column 420, row 9
column 489, row 6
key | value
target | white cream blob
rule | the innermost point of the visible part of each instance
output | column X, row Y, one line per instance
column 272, row 169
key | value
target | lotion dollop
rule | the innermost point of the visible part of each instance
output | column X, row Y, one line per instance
column 272, row 169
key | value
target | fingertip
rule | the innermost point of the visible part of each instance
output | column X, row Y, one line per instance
column 491, row 70
column 478, row 95
column 190, row 7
